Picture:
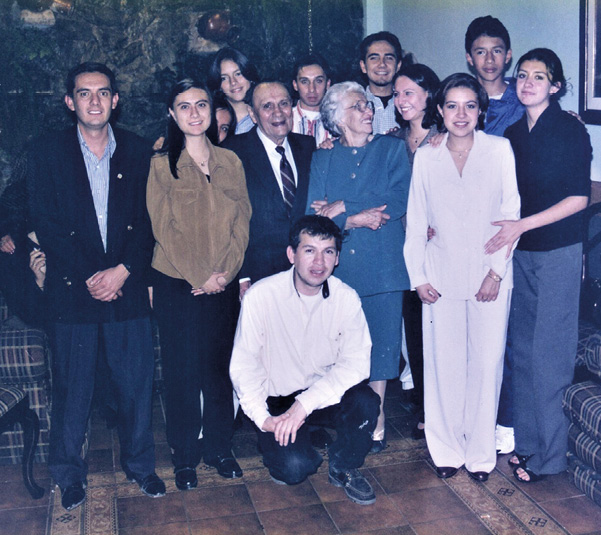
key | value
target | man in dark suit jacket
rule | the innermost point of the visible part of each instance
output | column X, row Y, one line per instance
column 87, row 191
column 274, row 206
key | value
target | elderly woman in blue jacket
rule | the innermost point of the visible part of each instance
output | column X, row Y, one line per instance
column 362, row 184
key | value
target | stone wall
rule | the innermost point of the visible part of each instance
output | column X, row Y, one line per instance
column 149, row 44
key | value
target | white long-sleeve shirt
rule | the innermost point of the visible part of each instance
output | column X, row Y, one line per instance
column 287, row 342
column 460, row 208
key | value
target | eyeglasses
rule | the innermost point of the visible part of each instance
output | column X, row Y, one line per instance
column 362, row 105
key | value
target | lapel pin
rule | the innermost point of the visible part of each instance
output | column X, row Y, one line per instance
column 119, row 176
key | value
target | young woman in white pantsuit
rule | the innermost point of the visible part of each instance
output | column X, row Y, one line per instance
column 457, row 189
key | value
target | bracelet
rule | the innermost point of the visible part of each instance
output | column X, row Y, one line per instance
column 494, row 277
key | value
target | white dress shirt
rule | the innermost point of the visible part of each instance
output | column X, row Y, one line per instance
column 275, row 158
column 284, row 344
column 460, row 208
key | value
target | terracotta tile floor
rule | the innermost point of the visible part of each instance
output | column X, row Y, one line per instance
column 410, row 498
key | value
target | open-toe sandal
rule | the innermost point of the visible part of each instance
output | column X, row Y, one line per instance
column 533, row 478
column 522, row 459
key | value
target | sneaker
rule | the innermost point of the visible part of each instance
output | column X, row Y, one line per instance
column 504, row 439
column 355, row 485
column 152, row 485
column 73, row 495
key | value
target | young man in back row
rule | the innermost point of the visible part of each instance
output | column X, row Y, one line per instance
column 311, row 80
column 488, row 52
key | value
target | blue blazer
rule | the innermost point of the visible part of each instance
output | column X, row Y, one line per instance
column 270, row 222
column 63, row 215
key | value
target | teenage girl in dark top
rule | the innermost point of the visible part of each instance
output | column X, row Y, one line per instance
column 553, row 157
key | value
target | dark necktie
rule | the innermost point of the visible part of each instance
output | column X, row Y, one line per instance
column 287, row 178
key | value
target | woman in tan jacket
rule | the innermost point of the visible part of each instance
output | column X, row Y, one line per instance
column 199, row 208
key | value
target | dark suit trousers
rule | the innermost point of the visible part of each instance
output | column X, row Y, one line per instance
column 130, row 358
column 354, row 419
column 196, row 335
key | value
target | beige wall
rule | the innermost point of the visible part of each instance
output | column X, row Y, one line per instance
column 434, row 31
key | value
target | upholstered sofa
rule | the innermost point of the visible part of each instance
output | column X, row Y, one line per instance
column 25, row 362
column 582, row 404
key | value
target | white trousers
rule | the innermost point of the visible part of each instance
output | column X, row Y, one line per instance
column 464, row 344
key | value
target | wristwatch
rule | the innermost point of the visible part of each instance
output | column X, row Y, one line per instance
column 494, row 277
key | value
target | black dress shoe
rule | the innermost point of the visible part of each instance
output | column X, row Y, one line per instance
column 73, row 496
column 185, row 478
column 417, row 433
column 151, row 485
column 445, row 472
column 226, row 466
column 478, row 476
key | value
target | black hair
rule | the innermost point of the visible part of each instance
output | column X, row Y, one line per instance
column 90, row 67
column 461, row 79
column 390, row 38
column 488, row 26
column 315, row 225
column 175, row 139
column 251, row 92
column 426, row 78
column 247, row 69
column 554, row 68
column 220, row 103
column 311, row 59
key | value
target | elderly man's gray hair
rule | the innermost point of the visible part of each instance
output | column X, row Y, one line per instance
column 331, row 110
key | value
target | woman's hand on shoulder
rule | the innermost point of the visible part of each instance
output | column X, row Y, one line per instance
column 326, row 144
column 436, row 139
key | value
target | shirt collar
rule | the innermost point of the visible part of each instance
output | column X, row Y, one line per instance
column 376, row 98
column 549, row 114
column 269, row 144
column 442, row 148
column 111, row 145
column 292, row 292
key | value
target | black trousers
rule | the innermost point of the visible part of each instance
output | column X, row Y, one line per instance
column 354, row 420
column 412, row 314
column 197, row 335
column 129, row 355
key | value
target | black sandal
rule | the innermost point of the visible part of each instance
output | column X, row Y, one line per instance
column 533, row 478
column 522, row 459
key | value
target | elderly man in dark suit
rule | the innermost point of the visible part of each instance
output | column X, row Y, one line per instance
column 276, row 163
column 87, row 190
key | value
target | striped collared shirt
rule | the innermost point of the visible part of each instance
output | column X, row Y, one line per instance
column 384, row 118
column 98, row 176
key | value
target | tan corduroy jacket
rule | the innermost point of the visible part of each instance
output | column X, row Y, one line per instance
column 200, row 227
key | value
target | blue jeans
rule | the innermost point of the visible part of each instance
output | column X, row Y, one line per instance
column 354, row 419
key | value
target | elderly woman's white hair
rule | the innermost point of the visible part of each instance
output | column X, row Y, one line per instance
column 331, row 111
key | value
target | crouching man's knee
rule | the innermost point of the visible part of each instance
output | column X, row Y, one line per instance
column 295, row 467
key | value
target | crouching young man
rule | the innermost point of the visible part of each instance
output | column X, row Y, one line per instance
column 301, row 356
